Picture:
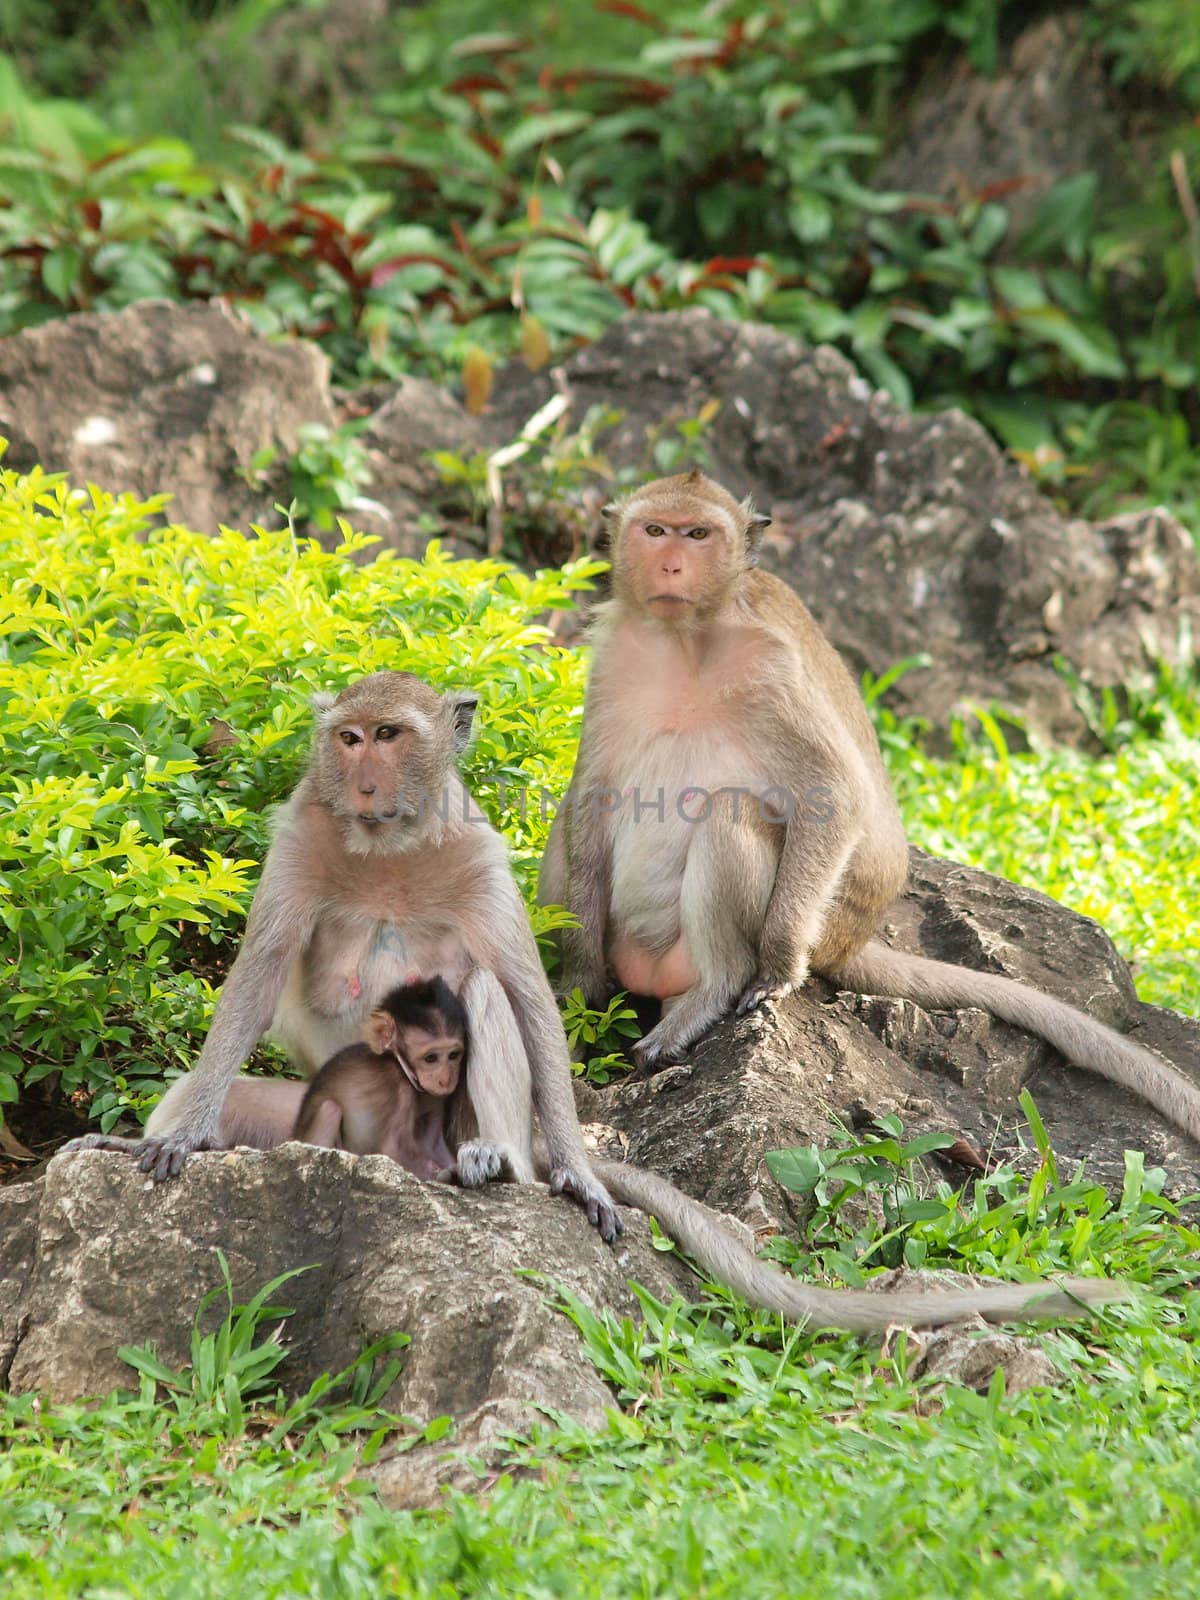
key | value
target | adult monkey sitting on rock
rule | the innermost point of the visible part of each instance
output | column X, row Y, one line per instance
column 378, row 873
column 729, row 826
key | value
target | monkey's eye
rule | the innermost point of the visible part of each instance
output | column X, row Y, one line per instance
column 386, row 731
column 697, row 533
column 349, row 737
column 655, row 530
column 430, row 1058
column 456, row 1055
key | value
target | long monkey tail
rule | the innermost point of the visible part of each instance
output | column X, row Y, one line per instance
column 878, row 969
column 704, row 1234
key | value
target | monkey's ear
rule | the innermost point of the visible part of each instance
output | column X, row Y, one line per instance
column 612, row 509
column 756, row 523
column 462, row 712
column 379, row 1032
column 323, row 702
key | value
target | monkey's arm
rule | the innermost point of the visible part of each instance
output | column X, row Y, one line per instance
column 515, row 960
column 577, row 873
column 828, row 790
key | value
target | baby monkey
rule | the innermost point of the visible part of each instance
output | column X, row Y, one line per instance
column 391, row 1095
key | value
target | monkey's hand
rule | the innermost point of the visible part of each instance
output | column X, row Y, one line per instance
column 162, row 1158
column 762, row 990
column 592, row 1196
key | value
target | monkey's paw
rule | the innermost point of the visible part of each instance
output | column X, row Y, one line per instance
column 162, row 1158
column 98, row 1141
column 478, row 1163
column 654, row 1053
column 592, row 1196
column 760, row 991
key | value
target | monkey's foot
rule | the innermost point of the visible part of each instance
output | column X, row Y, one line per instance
column 653, row 1054
column 479, row 1163
column 591, row 1195
column 760, row 991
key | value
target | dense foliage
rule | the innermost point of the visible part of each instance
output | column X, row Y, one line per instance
column 129, row 834
column 506, row 192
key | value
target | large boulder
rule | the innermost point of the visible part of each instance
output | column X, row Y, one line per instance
column 93, row 1257
column 164, row 397
column 778, row 1077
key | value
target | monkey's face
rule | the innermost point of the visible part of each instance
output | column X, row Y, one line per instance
column 677, row 559
column 384, row 758
column 435, row 1059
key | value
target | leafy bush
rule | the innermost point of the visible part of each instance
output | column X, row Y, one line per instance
column 153, row 704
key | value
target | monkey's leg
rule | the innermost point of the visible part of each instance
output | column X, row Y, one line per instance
column 587, row 847
column 726, row 889
column 499, row 1087
column 323, row 1126
column 812, row 868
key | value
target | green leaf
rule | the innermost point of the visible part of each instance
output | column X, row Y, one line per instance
column 799, row 1170
column 543, row 129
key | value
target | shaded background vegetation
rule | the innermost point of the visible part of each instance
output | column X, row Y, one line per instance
column 456, row 183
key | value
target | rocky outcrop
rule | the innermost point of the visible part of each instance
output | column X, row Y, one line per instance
column 906, row 535
column 94, row 1257
column 777, row 1078
column 163, row 397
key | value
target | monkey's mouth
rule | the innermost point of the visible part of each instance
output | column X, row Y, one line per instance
column 373, row 819
column 669, row 599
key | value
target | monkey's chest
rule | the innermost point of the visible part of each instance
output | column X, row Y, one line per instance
column 350, row 966
column 663, row 794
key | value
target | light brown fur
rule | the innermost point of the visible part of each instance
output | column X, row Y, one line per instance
column 712, row 674
column 380, row 871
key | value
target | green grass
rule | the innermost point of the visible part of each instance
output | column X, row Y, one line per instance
column 1115, row 837
column 746, row 1459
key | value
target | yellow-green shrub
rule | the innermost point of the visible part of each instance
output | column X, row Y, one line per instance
column 128, row 854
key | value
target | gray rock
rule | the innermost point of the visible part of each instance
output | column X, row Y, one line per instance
column 163, row 397
column 1046, row 114
column 904, row 534
column 776, row 1079
column 99, row 1259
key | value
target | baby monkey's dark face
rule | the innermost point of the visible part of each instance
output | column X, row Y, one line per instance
column 435, row 1059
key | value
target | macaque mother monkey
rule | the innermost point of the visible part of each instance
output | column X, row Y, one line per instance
column 377, row 874
column 729, row 826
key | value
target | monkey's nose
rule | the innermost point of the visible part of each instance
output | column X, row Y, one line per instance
column 366, row 788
